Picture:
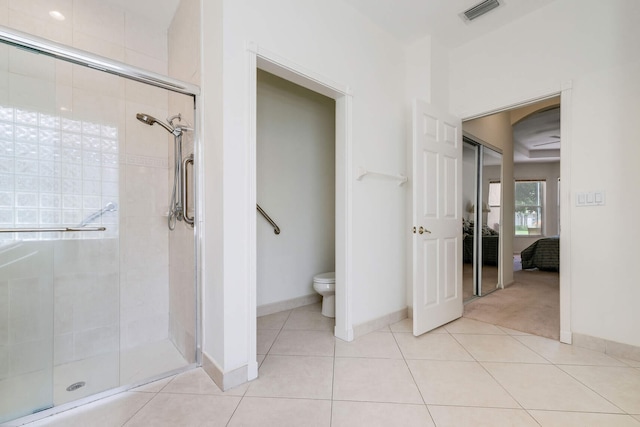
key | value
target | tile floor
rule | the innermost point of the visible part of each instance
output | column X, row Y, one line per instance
column 466, row 373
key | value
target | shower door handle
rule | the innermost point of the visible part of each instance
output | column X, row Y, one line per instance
column 185, row 190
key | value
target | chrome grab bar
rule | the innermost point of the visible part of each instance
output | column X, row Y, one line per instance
column 276, row 229
column 51, row 230
column 185, row 193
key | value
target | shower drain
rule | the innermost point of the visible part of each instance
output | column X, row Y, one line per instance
column 76, row 386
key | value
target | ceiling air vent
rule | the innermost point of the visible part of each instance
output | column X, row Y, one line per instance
column 480, row 9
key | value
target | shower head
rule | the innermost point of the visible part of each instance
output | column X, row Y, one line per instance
column 150, row 120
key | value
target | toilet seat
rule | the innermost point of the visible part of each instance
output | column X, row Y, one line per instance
column 325, row 278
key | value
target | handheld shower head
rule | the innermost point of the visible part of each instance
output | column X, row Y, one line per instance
column 150, row 120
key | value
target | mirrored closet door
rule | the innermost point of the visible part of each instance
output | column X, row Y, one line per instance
column 481, row 202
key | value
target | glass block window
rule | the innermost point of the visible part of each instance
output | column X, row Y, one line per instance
column 56, row 172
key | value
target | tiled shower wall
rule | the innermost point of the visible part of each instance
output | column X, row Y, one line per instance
column 86, row 279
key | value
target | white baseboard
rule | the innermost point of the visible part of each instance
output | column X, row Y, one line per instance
column 224, row 380
column 612, row 348
column 290, row 304
column 566, row 337
column 379, row 323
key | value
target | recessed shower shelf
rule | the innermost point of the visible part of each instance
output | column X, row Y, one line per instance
column 362, row 172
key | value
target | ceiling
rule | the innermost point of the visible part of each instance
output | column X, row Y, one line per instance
column 406, row 20
column 537, row 137
column 410, row 20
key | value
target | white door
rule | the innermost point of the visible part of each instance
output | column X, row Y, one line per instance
column 437, row 198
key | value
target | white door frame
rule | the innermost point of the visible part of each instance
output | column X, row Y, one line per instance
column 258, row 57
column 566, row 128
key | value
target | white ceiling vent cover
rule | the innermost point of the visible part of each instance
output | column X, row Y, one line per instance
column 479, row 9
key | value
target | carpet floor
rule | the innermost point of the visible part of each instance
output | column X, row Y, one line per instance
column 531, row 304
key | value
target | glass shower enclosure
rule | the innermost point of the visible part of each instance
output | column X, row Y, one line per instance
column 96, row 292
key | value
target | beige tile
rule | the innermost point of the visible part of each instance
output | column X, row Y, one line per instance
column 316, row 307
column 455, row 416
column 431, row 346
column 458, row 383
column 563, row 419
column 637, row 417
column 260, row 411
column 380, row 345
column 498, row 348
column 348, row 414
column 470, row 326
column 167, row 409
column 153, row 387
column 547, row 387
column 304, row 343
column 405, row 325
column 621, row 386
column 307, row 377
column 309, row 321
column 197, row 381
column 511, row 331
column 260, row 358
column 273, row 321
column 374, row 380
column 563, row 354
column 112, row 411
column 265, row 339
column 386, row 329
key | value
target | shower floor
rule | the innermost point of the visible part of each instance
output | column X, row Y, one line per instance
column 103, row 372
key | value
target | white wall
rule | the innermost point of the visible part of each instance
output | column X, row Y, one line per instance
column 337, row 43
column 593, row 44
column 296, row 187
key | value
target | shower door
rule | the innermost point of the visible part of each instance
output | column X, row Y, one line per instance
column 95, row 291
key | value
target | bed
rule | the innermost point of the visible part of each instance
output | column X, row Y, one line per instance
column 543, row 254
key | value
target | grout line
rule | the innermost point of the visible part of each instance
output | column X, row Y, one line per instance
column 142, row 407
column 333, row 382
column 589, row 387
column 415, row 383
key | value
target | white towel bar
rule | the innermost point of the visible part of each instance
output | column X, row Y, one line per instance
column 362, row 172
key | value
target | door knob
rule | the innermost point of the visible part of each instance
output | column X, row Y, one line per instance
column 423, row 230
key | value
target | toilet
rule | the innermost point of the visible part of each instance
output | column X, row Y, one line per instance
column 325, row 285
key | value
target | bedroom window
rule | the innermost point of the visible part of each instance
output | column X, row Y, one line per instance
column 529, row 200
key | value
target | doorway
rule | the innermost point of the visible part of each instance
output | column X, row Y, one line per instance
column 531, row 206
column 258, row 58
column 295, row 165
